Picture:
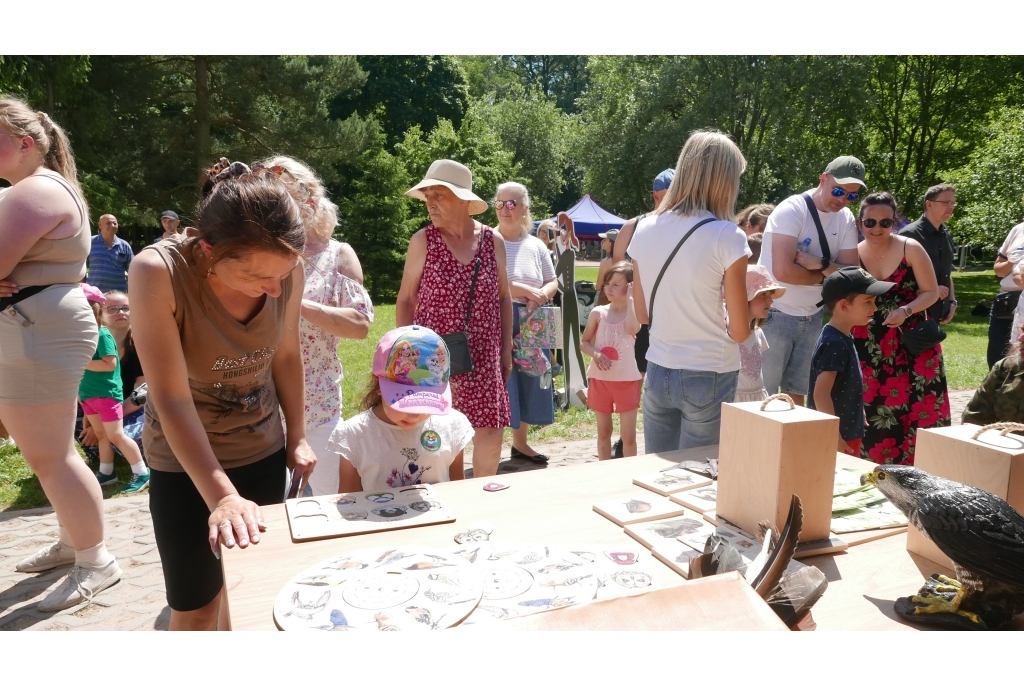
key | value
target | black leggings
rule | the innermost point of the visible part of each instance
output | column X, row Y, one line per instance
column 192, row 575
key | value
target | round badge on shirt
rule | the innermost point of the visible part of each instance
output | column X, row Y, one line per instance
column 430, row 440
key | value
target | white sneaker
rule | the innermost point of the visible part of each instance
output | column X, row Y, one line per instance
column 46, row 558
column 80, row 585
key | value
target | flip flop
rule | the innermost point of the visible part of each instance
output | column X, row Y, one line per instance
column 536, row 458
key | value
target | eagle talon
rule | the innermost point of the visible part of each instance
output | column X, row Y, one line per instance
column 953, row 583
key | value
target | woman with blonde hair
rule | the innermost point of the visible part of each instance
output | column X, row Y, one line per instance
column 687, row 251
column 48, row 335
column 532, row 278
column 334, row 306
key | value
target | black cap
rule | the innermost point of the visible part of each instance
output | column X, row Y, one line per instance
column 170, row 215
column 851, row 280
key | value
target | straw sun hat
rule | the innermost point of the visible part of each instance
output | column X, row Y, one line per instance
column 453, row 176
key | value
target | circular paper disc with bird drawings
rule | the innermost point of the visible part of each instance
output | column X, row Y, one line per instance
column 524, row 579
column 381, row 590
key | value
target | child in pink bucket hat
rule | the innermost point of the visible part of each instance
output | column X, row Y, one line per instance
column 762, row 289
column 407, row 432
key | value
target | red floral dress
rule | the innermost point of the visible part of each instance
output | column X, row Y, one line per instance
column 443, row 298
column 901, row 392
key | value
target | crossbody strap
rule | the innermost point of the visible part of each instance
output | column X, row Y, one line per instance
column 654, row 290
column 826, row 252
column 472, row 287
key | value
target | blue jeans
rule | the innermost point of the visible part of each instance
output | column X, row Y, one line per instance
column 787, row 361
column 683, row 408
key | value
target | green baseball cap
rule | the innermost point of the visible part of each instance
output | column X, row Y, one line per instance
column 847, row 169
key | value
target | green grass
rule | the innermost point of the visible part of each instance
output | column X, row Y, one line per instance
column 964, row 351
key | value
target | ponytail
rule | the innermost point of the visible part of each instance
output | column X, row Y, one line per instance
column 21, row 120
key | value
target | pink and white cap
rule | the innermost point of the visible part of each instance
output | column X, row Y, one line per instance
column 759, row 280
column 93, row 294
column 412, row 365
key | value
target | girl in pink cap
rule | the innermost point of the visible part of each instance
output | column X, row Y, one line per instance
column 761, row 291
column 407, row 432
column 101, row 396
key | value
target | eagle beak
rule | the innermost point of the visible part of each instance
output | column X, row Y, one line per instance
column 868, row 478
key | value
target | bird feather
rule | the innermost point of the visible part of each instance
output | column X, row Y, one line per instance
column 767, row 580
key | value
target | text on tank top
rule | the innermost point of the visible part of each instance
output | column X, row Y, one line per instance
column 619, row 346
column 229, row 368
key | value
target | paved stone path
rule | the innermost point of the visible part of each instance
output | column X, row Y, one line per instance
column 138, row 602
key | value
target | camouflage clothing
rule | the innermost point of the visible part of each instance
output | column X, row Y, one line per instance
column 1001, row 395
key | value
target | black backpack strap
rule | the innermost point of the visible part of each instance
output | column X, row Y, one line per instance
column 825, row 251
column 472, row 287
column 654, row 290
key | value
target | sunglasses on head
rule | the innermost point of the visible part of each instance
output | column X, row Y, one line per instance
column 884, row 223
column 501, row 204
column 839, row 192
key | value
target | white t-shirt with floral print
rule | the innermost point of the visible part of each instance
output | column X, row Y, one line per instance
column 388, row 456
column 324, row 285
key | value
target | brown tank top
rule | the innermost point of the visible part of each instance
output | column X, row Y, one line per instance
column 56, row 261
column 228, row 368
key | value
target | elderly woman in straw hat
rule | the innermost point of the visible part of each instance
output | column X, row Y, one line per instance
column 455, row 280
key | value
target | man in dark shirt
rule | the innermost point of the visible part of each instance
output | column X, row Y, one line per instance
column 930, row 230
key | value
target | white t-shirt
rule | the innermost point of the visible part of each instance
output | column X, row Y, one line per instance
column 689, row 329
column 791, row 217
column 1014, row 240
column 387, row 456
column 750, row 383
column 528, row 262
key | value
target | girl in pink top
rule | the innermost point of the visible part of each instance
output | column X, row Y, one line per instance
column 614, row 379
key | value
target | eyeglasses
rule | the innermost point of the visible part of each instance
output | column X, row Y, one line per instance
column 951, row 203
column 114, row 309
column 884, row 223
column 505, row 204
column 839, row 192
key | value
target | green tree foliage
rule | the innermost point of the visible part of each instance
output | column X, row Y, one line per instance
column 48, row 82
column 991, row 184
column 406, row 91
column 561, row 78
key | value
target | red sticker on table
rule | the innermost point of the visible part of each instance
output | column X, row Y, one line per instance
column 622, row 558
column 494, row 487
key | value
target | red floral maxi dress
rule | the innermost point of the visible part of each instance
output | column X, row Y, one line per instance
column 901, row 392
column 443, row 298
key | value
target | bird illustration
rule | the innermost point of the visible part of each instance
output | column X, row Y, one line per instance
column 423, row 616
column 469, row 555
column 551, row 568
column 391, row 556
column 338, row 622
column 306, row 610
column 636, row 506
column 565, row 582
column 345, row 565
column 549, row 602
column 424, row 565
column 446, row 578
column 444, row 597
column 321, row 581
column 439, row 560
column 496, row 555
column 979, row 532
column 384, row 622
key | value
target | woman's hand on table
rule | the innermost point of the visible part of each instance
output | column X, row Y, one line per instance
column 235, row 519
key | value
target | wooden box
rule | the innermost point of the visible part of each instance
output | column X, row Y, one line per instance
column 994, row 463
column 769, row 452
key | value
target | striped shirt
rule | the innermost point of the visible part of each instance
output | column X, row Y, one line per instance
column 528, row 262
column 108, row 267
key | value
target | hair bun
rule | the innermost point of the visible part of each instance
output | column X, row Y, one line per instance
column 221, row 171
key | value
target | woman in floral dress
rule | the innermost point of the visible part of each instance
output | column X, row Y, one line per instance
column 334, row 306
column 901, row 392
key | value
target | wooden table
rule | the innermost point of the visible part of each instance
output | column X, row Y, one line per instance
column 555, row 507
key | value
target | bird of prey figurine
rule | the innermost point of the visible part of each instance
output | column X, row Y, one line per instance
column 979, row 532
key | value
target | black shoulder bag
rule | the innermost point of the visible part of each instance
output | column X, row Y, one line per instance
column 654, row 290
column 458, row 343
column 826, row 252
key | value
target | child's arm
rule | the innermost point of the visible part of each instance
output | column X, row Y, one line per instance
column 586, row 342
column 823, row 399
column 632, row 323
column 348, row 477
column 103, row 365
column 457, row 469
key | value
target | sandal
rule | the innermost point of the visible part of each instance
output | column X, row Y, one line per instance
column 535, row 458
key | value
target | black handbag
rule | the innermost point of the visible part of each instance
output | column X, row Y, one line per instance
column 459, row 358
column 1005, row 305
column 923, row 337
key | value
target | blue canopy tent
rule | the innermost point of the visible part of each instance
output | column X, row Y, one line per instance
column 590, row 218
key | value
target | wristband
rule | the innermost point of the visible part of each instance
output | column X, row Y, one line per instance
column 909, row 312
column 825, row 264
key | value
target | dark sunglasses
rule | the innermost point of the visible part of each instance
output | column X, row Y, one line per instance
column 884, row 223
column 839, row 192
column 501, row 204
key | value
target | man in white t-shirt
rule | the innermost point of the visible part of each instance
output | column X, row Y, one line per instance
column 792, row 253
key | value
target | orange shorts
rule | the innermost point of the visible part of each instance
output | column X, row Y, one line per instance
column 854, row 447
column 613, row 397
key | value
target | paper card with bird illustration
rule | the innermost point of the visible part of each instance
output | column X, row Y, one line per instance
column 671, row 481
column 676, row 556
column 637, row 508
column 884, row 515
column 701, row 500
column 381, row 590
column 747, row 546
column 654, row 533
column 357, row 513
